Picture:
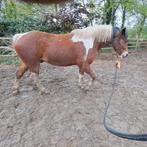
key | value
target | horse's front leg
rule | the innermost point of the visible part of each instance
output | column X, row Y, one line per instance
column 81, row 76
column 86, row 68
column 92, row 74
column 80, row 81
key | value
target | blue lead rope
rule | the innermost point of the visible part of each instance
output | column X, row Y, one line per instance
column 137, row 137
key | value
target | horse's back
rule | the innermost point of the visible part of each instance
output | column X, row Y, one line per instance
column 41, row 46
column 34, row 36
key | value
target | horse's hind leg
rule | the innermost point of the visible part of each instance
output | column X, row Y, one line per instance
column 19, row 73
column 34, row 76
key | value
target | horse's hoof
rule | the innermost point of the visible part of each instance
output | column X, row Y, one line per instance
column 43, row 91
column 15, row 92
column 118, row 64
column 86, row 87
column 81, row 86
column 34, row 87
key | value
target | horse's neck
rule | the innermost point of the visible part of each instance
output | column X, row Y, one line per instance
column 102, row 45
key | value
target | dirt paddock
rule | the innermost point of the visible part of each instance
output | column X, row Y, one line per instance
column 69, row 116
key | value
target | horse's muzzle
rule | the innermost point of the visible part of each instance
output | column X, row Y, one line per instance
column 124, row 54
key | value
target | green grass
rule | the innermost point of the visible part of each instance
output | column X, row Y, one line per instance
column 9, row 61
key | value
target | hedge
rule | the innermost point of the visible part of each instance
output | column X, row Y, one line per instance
column 9, row 27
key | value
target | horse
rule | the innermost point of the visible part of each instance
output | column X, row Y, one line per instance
column 78, row 47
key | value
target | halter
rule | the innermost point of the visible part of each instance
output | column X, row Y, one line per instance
column 115, row 30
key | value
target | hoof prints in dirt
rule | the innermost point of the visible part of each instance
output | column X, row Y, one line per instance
column 70, row 117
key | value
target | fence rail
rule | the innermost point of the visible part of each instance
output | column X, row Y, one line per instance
column 133, row 44
column 6, row 51
column 137, row 44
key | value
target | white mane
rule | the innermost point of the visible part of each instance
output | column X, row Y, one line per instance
column 102, row 33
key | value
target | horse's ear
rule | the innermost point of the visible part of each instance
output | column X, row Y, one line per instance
column 123, row 32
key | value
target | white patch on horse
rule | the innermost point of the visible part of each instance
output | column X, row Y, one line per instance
column 87, row 42
column 102, row 33
column 124, row 54
column 16, row 37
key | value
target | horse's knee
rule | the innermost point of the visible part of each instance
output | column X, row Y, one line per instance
column 34, row 68
column 90, row 72
column 93, row 76
column 19, row 74
column 21, row 70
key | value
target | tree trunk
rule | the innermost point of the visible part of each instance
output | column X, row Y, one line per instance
column 139, row 30
column 140, row 27
column 123, row 17
column 110, row 11
column 84, row 5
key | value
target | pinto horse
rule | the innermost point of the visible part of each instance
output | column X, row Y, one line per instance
column 79, row 47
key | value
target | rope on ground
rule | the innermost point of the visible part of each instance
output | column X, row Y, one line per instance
column 137, row 137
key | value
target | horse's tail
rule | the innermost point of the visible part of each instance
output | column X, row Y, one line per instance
column 11, row 43
column 15, row 38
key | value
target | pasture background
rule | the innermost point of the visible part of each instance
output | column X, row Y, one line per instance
column 68, row 116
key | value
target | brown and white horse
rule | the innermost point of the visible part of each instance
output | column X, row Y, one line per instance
column 78, row 47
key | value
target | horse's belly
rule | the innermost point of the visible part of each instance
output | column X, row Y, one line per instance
column 60, row 59
column 62, row 53
column 60, row 62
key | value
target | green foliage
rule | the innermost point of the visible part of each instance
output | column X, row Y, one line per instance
column 9, row 11
column 20, row 17
column 133, row 33
column 9, row 27
column 5, row 60
column 13, row 10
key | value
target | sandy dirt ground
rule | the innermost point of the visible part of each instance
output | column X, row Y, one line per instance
column 69, row 116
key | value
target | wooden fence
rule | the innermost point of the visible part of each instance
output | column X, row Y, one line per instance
column 137, row 44
column 133, row 44
column 7, row 53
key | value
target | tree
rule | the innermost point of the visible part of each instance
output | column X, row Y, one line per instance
column 0, row 7
column 142, row 10
column 9, row 11
column 110, row 8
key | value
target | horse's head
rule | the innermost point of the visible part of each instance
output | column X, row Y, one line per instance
column 119, row 42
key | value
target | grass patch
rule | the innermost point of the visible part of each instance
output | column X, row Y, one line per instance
column 9, row 60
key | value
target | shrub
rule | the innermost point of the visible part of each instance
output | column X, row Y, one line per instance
column 9, row 27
